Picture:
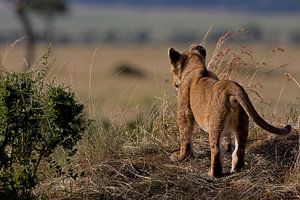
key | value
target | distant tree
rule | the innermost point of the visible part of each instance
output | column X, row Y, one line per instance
column 255, row 31
column 184, row 36
column 46, row 8
column 142, row 36
column 294, row 36
column 21, row 11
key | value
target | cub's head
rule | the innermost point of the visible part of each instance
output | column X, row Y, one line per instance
column 180, row 61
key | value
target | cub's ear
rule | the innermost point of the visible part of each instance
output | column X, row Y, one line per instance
column 173, row 55
column 202, row 51
column 199, row 48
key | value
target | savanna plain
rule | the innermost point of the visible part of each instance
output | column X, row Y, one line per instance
column 128, row 95
column 125, row 152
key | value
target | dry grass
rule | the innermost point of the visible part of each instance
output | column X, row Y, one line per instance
column 131, row 160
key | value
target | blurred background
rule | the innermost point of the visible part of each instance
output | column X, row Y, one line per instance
column 113, row 53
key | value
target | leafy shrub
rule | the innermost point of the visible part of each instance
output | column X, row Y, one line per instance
column 36, row 118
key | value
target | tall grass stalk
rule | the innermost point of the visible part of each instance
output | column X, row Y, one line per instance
column 92, row 109
column 279, row 96
column 290, row 77
column 203, row 42
column 8, row 49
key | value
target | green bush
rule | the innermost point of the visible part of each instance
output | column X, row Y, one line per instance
column 36, row 118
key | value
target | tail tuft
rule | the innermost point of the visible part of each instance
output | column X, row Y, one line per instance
column 288, row 128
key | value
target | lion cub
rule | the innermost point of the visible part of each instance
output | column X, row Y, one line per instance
column 220, row 107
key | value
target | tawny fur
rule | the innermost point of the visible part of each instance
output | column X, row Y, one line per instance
column 220, row 107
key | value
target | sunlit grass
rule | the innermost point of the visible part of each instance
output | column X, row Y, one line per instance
column 125, row 153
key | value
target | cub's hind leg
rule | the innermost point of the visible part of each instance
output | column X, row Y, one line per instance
column 226, row 142
column 216, row 155
column 186, row 125
column 240, row 138
column 215, row 142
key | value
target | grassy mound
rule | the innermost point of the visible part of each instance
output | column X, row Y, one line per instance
column 133, row 163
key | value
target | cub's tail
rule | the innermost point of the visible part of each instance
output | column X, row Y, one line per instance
column 242, row 97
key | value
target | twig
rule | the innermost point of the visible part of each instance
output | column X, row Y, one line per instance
column 289, row 76
column 220, row 42
column 255, row 72
column 205, row 36
column 10, row 47
column 280, row 94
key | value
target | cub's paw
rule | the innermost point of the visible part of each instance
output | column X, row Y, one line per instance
column 176, row 156
column 236, row 169
column 215, row 174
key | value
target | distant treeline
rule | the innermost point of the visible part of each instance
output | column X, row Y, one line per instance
column 250, row 5
column 247, row 33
